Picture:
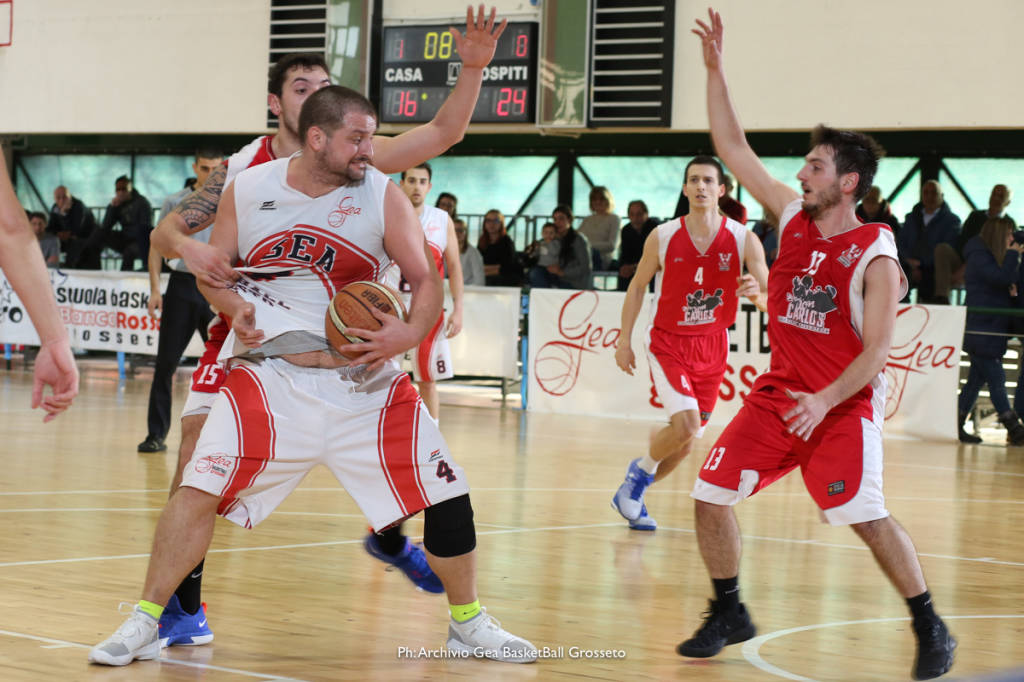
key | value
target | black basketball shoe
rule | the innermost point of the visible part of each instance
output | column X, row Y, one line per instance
column 719, row 629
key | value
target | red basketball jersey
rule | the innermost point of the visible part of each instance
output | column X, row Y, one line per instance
column 816, row 308
column 697, row 291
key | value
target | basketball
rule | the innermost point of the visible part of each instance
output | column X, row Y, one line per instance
column 352, row 306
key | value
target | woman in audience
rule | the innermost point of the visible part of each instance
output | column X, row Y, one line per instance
column 992, row 259
column 469, row 256
column 501, row 265
column 601, row 227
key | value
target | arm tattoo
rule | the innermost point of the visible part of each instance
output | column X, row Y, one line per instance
column 199, row 208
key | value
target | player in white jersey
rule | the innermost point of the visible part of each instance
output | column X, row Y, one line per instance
column 432, row 359
column 336, row 221
column 291, row 81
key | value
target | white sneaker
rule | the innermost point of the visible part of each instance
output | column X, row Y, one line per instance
column 137, row 638
column 481, row 636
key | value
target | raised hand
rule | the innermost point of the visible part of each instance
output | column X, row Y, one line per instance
column 476, row 48
column 711, row 38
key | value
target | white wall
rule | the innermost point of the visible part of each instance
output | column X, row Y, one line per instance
column 136, row 66
column 869, row 64
column 431, row 11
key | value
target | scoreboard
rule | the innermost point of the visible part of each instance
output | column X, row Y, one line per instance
column 419, row 67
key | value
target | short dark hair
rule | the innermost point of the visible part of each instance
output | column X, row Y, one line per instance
column 852, row 152
column 279, row 70
column 642, row 203
column 565, row 210
column 425, row 166
column 36, row 214
column 123, row 178
column 705, row 160
column 447, row 195
column 326, row 109
column 209, row 153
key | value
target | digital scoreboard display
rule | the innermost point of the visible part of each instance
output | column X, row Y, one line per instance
column 419, row 67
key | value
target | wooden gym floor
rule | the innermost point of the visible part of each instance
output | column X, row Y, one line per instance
column 298, row 598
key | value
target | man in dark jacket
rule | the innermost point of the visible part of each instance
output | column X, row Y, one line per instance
column 81, row 238
column 132, row 211
column 875, row 209
column 631, row 243
column 949, row 262
column 930, row 223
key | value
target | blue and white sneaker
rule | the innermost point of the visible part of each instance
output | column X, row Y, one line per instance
column 178, row 628
column 645, row 522
column 629, row 498
column 410, row 561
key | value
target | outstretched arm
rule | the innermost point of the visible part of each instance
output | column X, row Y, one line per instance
column 422, row 143
column 22, row 265
column 727, row 133
column 195, row 213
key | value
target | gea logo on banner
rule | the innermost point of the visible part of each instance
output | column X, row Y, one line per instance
column 914, row 352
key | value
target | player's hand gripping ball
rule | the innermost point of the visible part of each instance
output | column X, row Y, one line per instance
column 351, row 307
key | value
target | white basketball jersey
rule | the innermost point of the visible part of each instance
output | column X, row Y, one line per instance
column 435, row 227
column 298, row 250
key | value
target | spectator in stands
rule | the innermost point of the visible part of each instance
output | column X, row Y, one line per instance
column 49, row 244
column 543, row 254
column 601, row 227
column 501, row 263
column 447, row 202
column 949, row 261
column 875, row 209
column 469, row 255
column 767, row 230
column 132, row 212
column 631, row 240
column 573, row 268
column 993, row 258
column 81, row 238
column 729, row 206
column 929, row 224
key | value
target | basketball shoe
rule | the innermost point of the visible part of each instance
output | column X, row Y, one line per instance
column 483, row 637
column 629, row 498
column 719, row 629
column 180, row 628
column 137, row 638
column 643, row 522
column 935, row 648
column 410, row 561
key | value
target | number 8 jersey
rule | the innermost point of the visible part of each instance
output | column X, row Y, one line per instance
column 697, row 291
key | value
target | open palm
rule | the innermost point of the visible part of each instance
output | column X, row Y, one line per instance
column 476, row 48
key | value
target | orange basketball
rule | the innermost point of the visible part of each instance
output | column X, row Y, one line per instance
column 351, row 307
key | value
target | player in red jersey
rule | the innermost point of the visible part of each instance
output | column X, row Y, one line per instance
column 832, row 300
column 699, row 259
column 293, row 79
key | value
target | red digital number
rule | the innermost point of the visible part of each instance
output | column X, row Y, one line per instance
column 407, row 104
column 504, row 98
column 522, row 45
column 401, row 48
column 519, row 100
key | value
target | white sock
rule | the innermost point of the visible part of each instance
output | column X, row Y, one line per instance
column 647, row 464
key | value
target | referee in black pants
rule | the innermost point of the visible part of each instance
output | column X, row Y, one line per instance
column 183, row 311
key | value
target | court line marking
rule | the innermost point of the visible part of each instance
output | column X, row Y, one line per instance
column 752, row 647
column 60, row 643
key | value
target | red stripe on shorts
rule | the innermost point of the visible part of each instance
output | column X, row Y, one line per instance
column 257, row 437
column 396, row 445
column 425, row 350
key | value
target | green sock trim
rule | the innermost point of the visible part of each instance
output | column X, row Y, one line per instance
column 151, row 609
column 463, row 612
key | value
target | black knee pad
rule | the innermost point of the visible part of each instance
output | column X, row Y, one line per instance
column 448, row 528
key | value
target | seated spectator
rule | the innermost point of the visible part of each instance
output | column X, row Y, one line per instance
column 993, row 258
column 949, row 261
column 574, row 259
column 81, row 238
column 875, row 209
column 729, row 206
column 469, row 256
column 929, row 224
column 767, row 230
column 631, row 240
column 544, row 252
column 133, row 213
column 447, row 202
column 48, row 242
column 501, row 264
column 601, row 227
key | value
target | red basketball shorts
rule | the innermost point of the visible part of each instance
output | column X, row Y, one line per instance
column 687, row 370
column 841, row 463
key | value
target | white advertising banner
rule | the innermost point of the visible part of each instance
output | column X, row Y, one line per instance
column 572, row 368
column 103, row 310
column 489, row 342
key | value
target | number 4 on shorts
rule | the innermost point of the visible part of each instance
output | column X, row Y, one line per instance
column 444, row 471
